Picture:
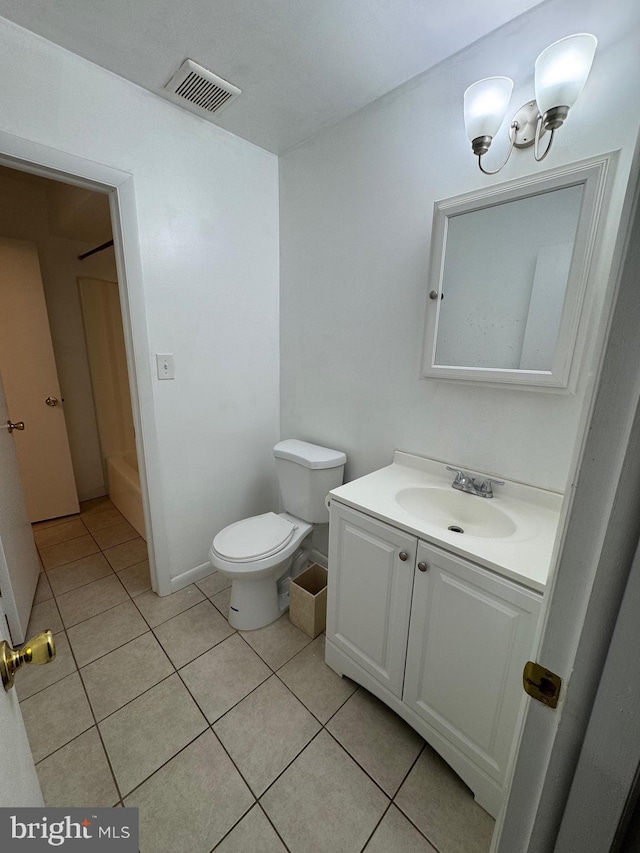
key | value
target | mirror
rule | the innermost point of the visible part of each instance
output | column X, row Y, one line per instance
column 508, row 279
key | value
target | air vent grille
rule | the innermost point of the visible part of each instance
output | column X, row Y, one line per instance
column 203, row 92
column 197, row 89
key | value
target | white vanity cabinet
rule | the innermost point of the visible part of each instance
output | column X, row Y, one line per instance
column 440, row 640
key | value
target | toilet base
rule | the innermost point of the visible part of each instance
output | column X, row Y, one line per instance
column 254, row 603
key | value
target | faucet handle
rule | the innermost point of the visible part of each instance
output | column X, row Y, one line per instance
column 460, row 475
column 486, row 489
column 461, row 478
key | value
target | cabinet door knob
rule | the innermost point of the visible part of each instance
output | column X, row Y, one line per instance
column 403, row 556
column 423, row 566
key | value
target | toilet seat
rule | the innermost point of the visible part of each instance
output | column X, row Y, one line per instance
column 254, row 538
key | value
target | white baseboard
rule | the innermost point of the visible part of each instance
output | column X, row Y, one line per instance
column 199, row 572
column 318, row 557
column 191, row 576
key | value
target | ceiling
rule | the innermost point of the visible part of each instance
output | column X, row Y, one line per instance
column 302, row 65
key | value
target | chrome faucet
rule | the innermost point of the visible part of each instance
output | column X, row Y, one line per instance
column 466, row 483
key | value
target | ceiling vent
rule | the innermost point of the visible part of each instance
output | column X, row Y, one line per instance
column 198, row 90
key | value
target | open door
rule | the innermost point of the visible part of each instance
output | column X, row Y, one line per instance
column 557, row 769
column 19, row 564
column 19, row 784
column 31, row 385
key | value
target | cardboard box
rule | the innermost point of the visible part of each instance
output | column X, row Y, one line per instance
column 308, row 600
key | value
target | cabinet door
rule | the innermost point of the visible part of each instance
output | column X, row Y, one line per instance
column 471, row 634
column 369, row 593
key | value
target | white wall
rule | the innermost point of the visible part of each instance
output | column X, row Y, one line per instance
column 23, row 214
column 207, row 206
column 356, row 211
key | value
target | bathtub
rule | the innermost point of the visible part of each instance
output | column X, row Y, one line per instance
column 123, row 483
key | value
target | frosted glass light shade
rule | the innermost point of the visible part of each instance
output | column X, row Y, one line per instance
column 562, row 70
column 485, row 106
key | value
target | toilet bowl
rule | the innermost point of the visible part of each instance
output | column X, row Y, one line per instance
column 258, row 554
column 261, row 554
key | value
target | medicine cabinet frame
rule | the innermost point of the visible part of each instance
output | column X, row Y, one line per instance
column 595, row 176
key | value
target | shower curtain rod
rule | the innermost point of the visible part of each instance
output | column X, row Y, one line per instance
column 97, row 249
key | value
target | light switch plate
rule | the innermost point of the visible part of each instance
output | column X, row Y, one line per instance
column 165, row 366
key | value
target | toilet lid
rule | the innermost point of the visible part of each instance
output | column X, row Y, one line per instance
column 254, row 538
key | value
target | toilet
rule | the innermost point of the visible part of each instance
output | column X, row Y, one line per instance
column 260, row 555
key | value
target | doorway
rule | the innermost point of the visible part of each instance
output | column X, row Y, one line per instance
column 63, row 337
column 36, row 201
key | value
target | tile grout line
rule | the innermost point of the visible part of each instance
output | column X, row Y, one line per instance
column 82, row 682
column 64, row 542
column 73, row 589
column 91, row 709
column 375, row 828
column 100, row 612
column 50, row 523
column 264, row 660
column 88, row 583
column 164, row 764
column 323, row 727
column 402, row 811
column 99, row 733
column 284, row 844
column 257, row 805
column 95, row 722
column 148, row 630
column 273, row 781
column 238, row 770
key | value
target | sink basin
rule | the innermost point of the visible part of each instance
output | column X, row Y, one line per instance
column 457, row 512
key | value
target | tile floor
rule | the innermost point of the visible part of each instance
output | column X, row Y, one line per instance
column 226, row 741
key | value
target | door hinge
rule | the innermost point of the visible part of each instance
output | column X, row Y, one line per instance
column 541, row 683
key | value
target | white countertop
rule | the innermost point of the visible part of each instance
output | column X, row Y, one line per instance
column 523, row 556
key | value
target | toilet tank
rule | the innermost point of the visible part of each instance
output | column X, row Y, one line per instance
column 307, row 473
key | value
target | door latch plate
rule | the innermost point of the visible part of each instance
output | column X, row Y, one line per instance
column 541, row 684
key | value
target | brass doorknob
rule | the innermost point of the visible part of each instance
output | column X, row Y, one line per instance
column 40, row 649
column 17, row 425
column 51, row 401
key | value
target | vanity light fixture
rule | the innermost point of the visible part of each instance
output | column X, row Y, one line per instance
column 561, row 71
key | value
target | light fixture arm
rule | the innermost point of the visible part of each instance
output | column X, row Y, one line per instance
column 526, row 128
column 522, row 131
column 550, row 120
column 536, row 146
column 513, row 129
